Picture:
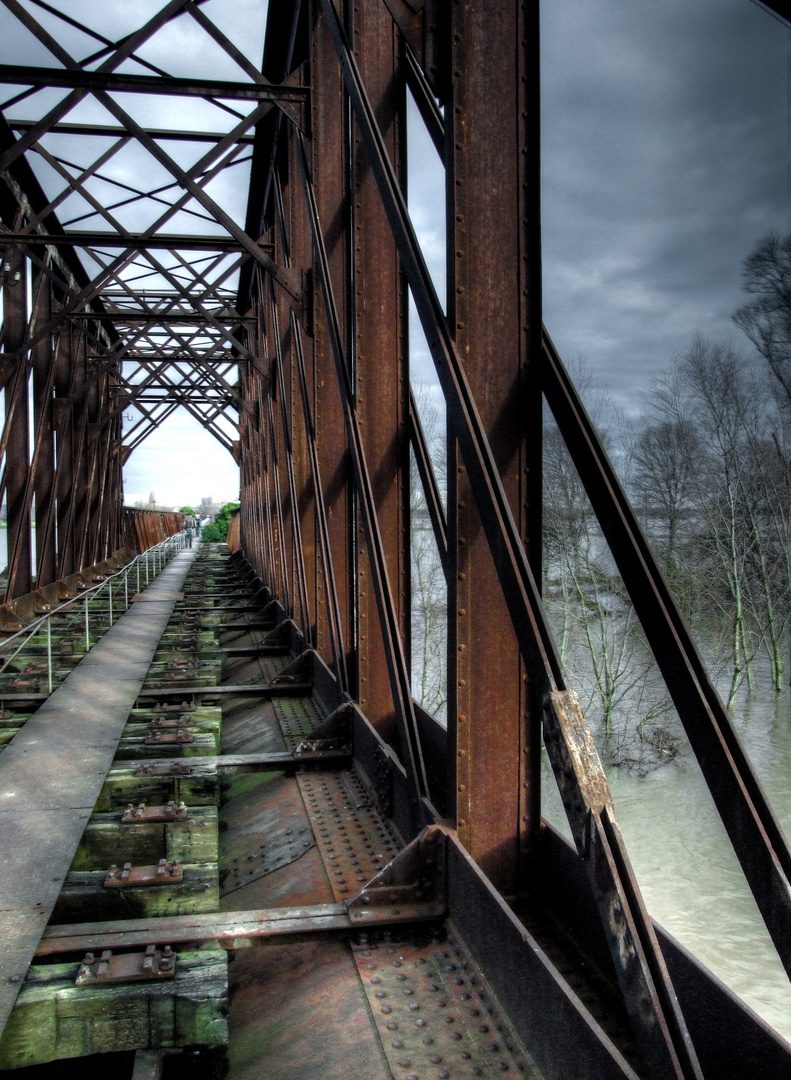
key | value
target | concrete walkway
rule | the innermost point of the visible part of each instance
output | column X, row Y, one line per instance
column 52, row 771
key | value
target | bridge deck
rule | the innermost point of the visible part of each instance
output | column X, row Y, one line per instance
column 52, row 771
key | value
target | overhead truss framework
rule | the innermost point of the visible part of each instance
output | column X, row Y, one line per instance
column 135, row 282
column 135, row 175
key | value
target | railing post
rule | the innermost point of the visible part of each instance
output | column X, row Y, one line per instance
column 49, row 656
column 87, row 628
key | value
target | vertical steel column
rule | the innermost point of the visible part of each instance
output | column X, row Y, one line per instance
column 329, row 167
column 63, row 412
column 96, row 456
column 81, row 415
column 44, row 480
column 17, row 458
column 295, row 235
column 382, row 377
column 494, row 309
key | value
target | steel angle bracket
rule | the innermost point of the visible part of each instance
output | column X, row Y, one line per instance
column 658, row 1024
column 299, row 673
column 334, row 733
column 413, row 885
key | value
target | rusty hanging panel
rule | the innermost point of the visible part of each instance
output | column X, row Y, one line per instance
column 379, row 305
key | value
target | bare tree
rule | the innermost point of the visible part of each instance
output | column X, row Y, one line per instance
column 429, row 589
column 766, row 320
column 721, row 408
column 601, row 643
column 663, row 485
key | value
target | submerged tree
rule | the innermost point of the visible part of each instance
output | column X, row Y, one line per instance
column 766, row 320
column 735, row 524
column 429, row 589
column 600, row 640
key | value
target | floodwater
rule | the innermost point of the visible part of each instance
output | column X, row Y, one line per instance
column 685, row 865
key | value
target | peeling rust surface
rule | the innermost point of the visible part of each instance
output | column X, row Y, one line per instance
column 298, row 1012
column 298, row 718
column 435, row 1014
column 355, row 842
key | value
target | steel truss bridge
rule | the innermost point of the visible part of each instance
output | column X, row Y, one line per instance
column 136, row 281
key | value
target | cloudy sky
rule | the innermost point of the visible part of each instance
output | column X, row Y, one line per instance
column 665, row 159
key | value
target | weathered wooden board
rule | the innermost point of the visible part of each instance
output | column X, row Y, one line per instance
column 122, row 786
column 107, row 840
column 54, row 1019
column 203, row 743
column 83, row 897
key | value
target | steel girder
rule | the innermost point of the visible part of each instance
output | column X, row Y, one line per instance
column 306, row 301
column 332, row 195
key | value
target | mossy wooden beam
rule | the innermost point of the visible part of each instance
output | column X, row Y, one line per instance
column 107, row 840
column 53, row 1019
column 133, row 749
column 84, row 897
column 123, row 786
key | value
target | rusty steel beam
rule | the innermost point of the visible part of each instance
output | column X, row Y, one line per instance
column 111, row 131
column 16, row 439
column 130, row 242
column 94, row 81
column 329, row 133
column 379, row 349
column 496, row 766
column 398, row 672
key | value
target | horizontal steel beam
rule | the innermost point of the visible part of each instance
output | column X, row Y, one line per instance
column 186, row 691
column 168, row 241
column 241, row 762
column 114, row 131
column 22, row 75
column 228, row 928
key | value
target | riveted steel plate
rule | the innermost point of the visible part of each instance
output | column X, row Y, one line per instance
column 435, row 1014
column 355, row 843
column 298, row 718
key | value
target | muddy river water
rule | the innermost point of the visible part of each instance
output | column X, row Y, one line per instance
column 690, row 878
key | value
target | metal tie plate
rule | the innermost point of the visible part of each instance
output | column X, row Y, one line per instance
column 151, row 966
column 435, row 1014
column 164, row 873
column 142, row 814
column 169, row 738
column 176, row 721
column 298, row 718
